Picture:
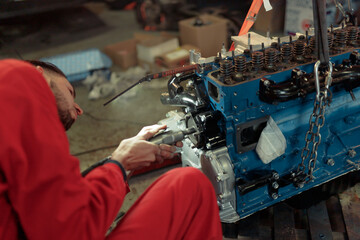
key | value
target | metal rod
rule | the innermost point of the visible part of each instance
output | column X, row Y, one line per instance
column 157, row 75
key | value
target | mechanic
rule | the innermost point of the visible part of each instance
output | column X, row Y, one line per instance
column 43, row 194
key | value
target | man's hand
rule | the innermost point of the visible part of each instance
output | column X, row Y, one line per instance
column 137, row 152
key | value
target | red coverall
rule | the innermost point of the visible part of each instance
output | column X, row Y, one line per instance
column 42, row 190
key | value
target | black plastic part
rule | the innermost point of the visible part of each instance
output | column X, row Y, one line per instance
column 256, row 179
column 211, row 135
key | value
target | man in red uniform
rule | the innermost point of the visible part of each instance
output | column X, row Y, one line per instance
column 44, row 196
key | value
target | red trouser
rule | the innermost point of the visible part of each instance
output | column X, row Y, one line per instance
column 181, row 204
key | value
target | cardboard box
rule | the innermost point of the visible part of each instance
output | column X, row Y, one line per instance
column 176, row 58
column 149, row 47
column 271, row 21
column 208, row 37
column 123, row 53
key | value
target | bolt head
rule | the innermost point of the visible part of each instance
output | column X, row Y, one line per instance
column 330, row 162
column 275, row 176
column 352, row 153
column 274, row 196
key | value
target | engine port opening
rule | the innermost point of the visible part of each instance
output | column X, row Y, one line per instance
column 248, row 134
column 213, row 92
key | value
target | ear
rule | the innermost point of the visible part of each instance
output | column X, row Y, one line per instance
column 41, row 70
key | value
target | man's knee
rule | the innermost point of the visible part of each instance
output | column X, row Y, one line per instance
column 192, row 179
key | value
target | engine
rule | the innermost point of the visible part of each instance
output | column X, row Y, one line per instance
column 267, row 126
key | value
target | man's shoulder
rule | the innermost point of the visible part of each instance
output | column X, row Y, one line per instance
column 14, row 64
column 18, row 71
column 13, row 67
column 20, row 77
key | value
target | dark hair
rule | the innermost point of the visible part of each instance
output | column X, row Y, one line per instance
column 48, row 66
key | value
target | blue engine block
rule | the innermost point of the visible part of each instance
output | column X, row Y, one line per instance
column 231, row 115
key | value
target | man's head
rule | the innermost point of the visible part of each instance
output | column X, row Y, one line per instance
column 63, row 91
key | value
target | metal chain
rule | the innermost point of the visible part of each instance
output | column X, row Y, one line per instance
column 316, row 122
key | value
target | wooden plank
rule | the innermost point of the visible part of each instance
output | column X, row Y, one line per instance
column 249, row 227
column 265, row 233
column 335, row 214
column 350, row 204
column 302, row 234
column 338, row 236
column 319, row 223
column 284, row 222
column 301, row 221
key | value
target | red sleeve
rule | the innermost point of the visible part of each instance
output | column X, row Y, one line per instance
column 46, row 189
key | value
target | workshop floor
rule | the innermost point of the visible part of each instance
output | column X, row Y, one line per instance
column 95, row 134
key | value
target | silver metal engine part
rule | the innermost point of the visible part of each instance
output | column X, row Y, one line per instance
column 215, row 164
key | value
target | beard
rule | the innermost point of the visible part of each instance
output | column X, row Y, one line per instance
column 61, row 103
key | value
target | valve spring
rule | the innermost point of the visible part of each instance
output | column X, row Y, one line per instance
column 286, row 52
column 340, row 38
column 352, row 34
column 240, row 64
column 312, row 43
column 270, row 56
column 299, row 48
column 226, row 69
column 257, row 60
column 330, row 39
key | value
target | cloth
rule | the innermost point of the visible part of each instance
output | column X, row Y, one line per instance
column 181, row 204
column 41, row 187
column 42, row 190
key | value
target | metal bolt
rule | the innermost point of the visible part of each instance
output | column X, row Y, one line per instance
column 330, row 162
column 235, row 93
column 322, row 236
column 266, row 83
column 352, row 153
column 275, row 185
column 275, row 176
column 300, row 185
column 274, row 196
column 235, row 107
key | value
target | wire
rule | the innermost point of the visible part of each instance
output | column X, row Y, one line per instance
column 94, row 150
